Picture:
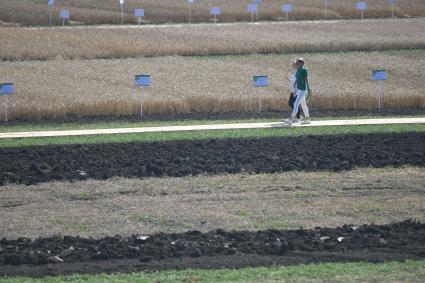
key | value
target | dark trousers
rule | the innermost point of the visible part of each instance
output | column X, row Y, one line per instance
column 291, row 104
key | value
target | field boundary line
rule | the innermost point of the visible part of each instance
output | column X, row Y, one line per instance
column 268, row 125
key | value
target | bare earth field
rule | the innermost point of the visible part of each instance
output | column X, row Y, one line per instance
column 200, row 40
column 59, row 88
column 35, row 12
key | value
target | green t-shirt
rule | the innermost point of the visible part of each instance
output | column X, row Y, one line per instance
column 301, row 76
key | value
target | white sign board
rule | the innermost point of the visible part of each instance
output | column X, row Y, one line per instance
column 6, row 88
column 260, row 81
column 51, row 2
column 190, row 2
column 142, row 80
column 139, row 13
column 361, row 6
column 379, row 75
column 287, row 8
column 252, row 8
column 121, row 2
column 215, row 11
column 64, row 14
column 326, row 2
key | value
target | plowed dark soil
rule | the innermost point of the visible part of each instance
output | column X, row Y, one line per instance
column 181, row 158
column 219, row 248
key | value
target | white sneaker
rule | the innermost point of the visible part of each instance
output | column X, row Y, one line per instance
column 306, row 121
column 288, row 121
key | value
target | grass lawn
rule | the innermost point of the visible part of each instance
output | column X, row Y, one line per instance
column 54, row 126
column 410, row 271
column 215, row 134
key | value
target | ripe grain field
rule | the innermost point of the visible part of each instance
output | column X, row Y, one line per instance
column 58, row 88
column 35, row 12
column 201, row 40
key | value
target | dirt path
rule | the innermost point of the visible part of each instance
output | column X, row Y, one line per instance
column 321, row 123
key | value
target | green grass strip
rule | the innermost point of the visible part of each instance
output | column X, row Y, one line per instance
column 52, row 126
column 409, row 271
column 215, row 134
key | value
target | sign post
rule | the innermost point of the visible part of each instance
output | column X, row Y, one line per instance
column 287, row 8
column 258, row 82
column 379, row 76
column 142, row 81
column 215, row 11
column 139, row 13
column 50, row 3
column 257, row 2
column 64, row 15
column 6, row 90
column 392, row 3
column 325, row 5
column 190, row 2
column 252, row 8
column 361, row 6
column 122, row 11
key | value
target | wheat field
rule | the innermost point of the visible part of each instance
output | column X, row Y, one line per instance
column 35, row 12
column 200, row 40
column 58, row 88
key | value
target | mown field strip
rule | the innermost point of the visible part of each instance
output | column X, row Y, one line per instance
column 123, row 206
column 352, row 122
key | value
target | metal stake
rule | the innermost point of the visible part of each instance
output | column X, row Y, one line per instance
column 190, row 13
column 142, row 98
column 122, row 14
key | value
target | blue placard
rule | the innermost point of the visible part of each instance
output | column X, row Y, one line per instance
column 64, row 14
column 257, row 1
column 361, row 6
column 139, row 13
column 252, row 8
column 190, row 2
column 142, row 80
column 287, row 8
column 51, row 2
column 215, row 11
column 326, row 2
column 260, row 81
column 392, row 2
column 379, row 75
column 6, row 88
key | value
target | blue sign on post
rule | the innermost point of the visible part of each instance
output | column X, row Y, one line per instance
column 260, row 81
column 64, row 14
column 51, row 2
column 142, row 80
column 6, row 88
column 139, row 13
column 392, row 2
column 215, row 11
column 257, row 1
column 251, row 8
column 379, row 75
column 287, row 8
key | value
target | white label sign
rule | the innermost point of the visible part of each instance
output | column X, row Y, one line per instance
column 6, row 88
column 142, row 80
column 139, row 13
column 64, row 14
column 260, row 81
column 287, row 8
column 361, row 6
column 379, row 75
column 121, row 2
column 190, row 2
column 215, row 11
